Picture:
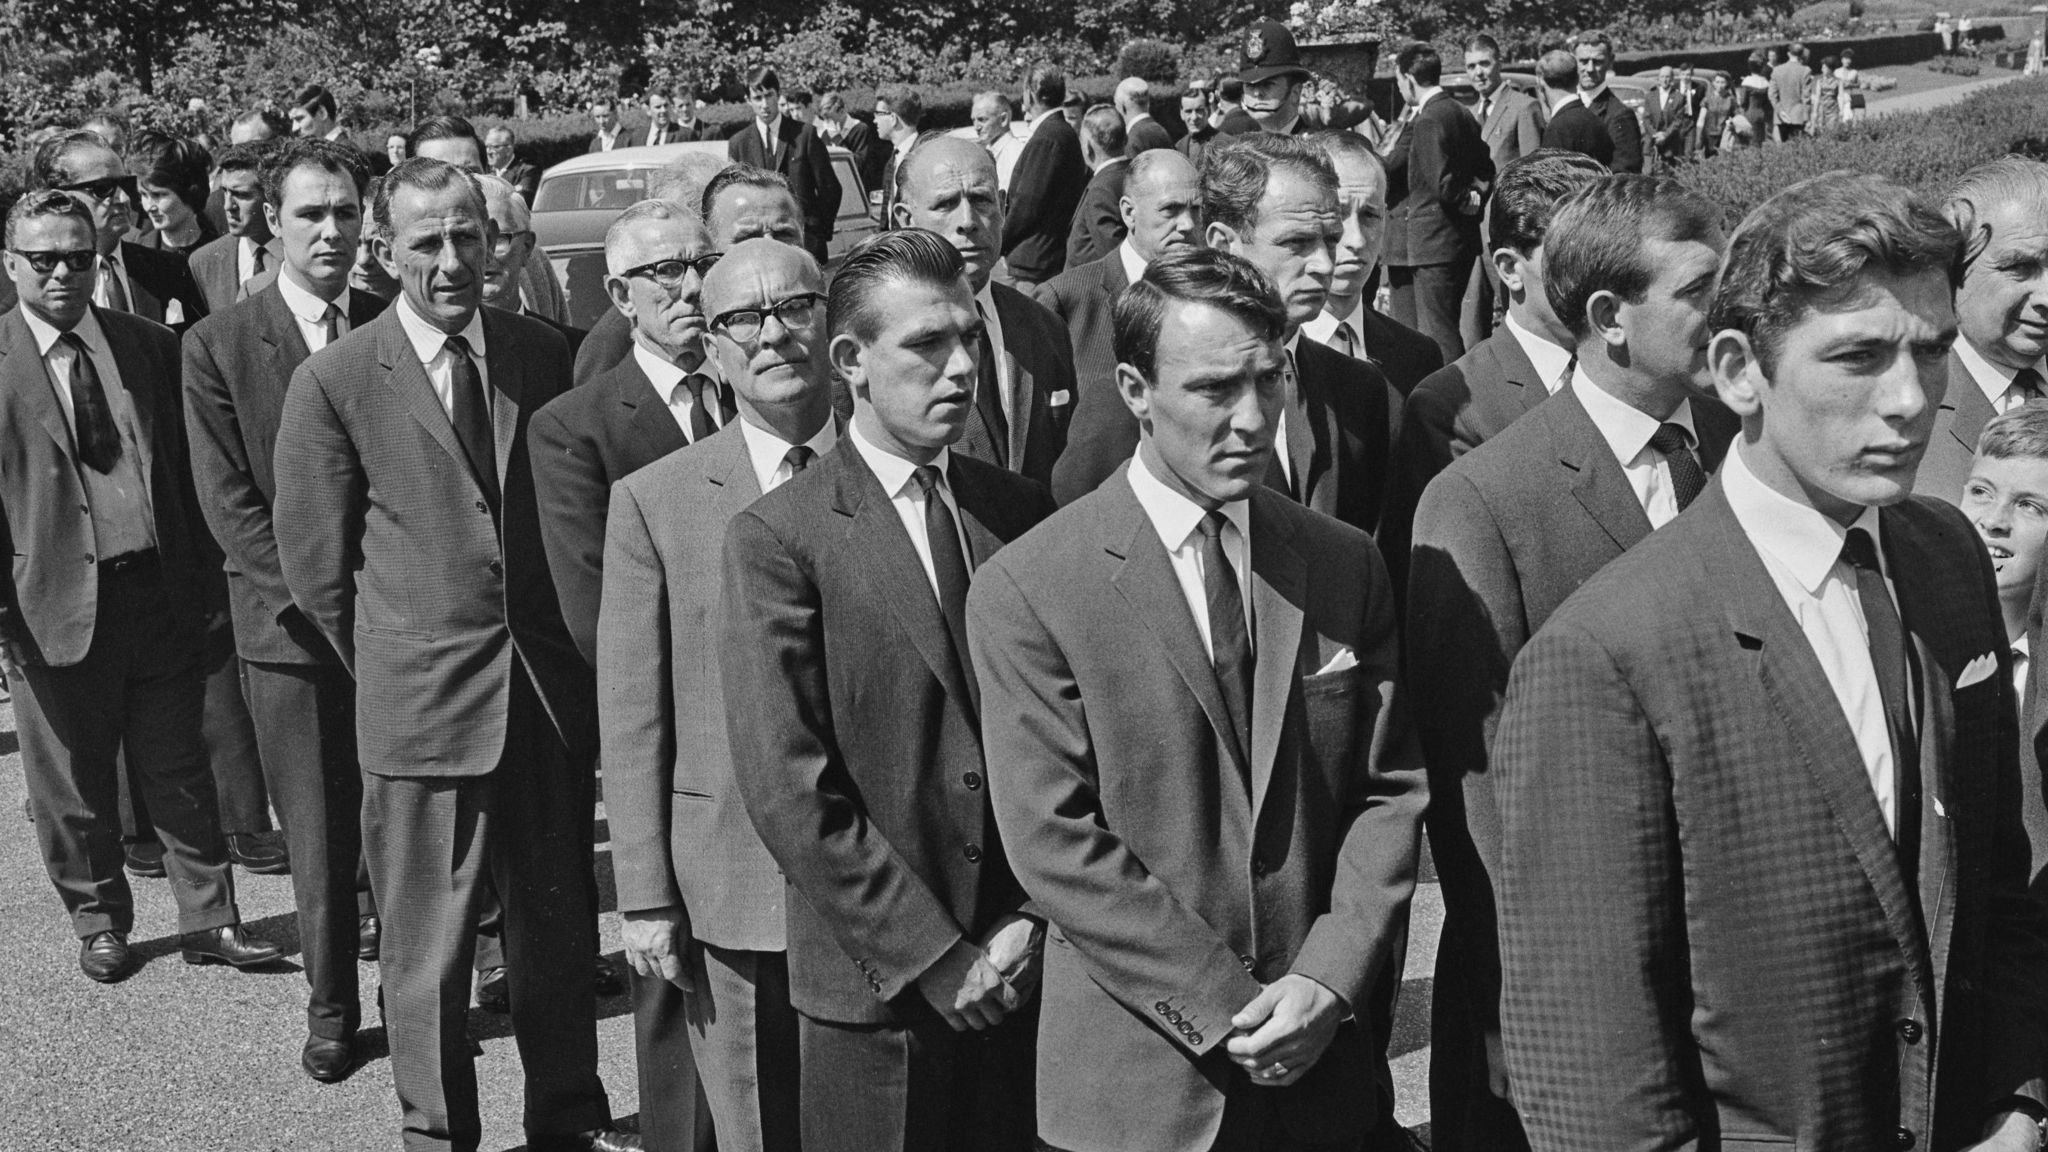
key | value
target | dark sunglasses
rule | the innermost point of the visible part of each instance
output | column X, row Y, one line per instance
column 669, row 273
column 78, row 260
column 104, row 188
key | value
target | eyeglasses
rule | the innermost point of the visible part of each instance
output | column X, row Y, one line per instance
column 502, row 246
column 670, row 273
column 744, row 325
column 103, row 189
column 78, row 260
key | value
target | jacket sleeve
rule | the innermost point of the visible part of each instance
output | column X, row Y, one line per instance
column 786, row 758
column 572, row 491
column 636, row 708
column 1097, row 229
column 1029, row 192
column 235, row 509
column 1628, row 137
column 1528, row 130
column 825, row 190
column 322, row 496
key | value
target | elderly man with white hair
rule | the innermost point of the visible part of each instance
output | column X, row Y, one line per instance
column 1134, row 103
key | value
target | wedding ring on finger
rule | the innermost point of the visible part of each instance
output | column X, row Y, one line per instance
column 1276, row 1071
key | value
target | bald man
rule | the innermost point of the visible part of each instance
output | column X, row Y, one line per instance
column 1025, row 380
column 1162, row 210
column 701, row 898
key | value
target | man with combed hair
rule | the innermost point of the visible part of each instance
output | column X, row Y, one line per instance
column 855, row 728
column 1509, row 120
column 315, row 115
column 1197, row 759
column 790, row 148
column 899, row 119
column 243, row 260
column 1348, row 322
column 502, row 156
column 701, row 898
column 1045, row 190
column 1573, row 127
column 1437, row 171
column 1593, row 53
column 1133, row 100
column 1511, row 529
column 1162, row 207
column 1099, row 223
column 992, row 128
column 507, row 271
column 1762, row 859
column 2001, row 309
column 409, row 534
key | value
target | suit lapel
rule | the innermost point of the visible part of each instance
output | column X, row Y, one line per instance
column 1972, row 410
column 128, row 360
column 1598, row 483
column 30, row 380
column 508, row 383
column 408, row 381
column 1517, row 369
column 1023, row 386
column 1279, row 580
column 652, row 422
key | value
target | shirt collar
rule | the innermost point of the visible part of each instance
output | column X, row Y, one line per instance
column 1173, row 515
column 1548, row 359
column 1587, row 98
column 427, row 340
column 304, row 304
column 1425, row 95
column 1804, row 542
column 1134, row 264
column 772, row 130
column 892, row 470
column 1993, row 378
column 1323, row 326
column 46, row 334
column 1558, row 102
column 2021, row 646
column 665, row 374
column 766, row 450
column 1626, row 428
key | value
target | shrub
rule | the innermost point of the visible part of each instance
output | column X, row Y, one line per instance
column 1155, row 61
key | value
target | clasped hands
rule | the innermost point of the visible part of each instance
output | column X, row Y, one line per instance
column 1280, row 1035
column 977, row 983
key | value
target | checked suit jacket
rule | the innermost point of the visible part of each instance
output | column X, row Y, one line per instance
column 856, row 729
column 216, row 268
column 389, row 547
column 238, row 363
column 1708, row 937
column 1177, row 878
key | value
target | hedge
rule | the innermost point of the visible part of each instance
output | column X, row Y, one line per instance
column 1924, row 150
column 1871, row 51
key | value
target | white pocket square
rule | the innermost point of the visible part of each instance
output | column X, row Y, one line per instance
column 1345, row 658
column 1059, row 398
column 1980, row 668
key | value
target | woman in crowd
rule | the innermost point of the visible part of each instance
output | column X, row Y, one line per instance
column 1850, row 79
column 1827, row 97
column 1716, row 127
column 1753, row 121
column 172, row 172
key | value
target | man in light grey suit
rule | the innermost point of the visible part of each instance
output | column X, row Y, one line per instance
column 701, row 898
column 1509, row 120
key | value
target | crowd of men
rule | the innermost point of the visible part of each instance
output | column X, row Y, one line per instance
column 1019, row 682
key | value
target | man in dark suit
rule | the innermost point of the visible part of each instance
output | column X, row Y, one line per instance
column 1098, row 222
column 855, row 729
column 1267, row 197
column 105, row 659
column 1437, row 172
column 501, row 156
column 151, row 284
column 835, row 125
column 1510, row 530
column 1594, row 55
column 244, row 259
column 237, row 364
column 1024, row 394
column 1509, row 120
column 1998, row 363
column 1762, row 858
column 1194, row 112
column 786, row 145
column 1348, row 322
column 1235, row 656
column 1133, row 100
column 701, row 898
column 1572, row 127
column 1046, row 185
column 661, row 125
column 1162, row 207
column 1669, row 114
column 474, row 714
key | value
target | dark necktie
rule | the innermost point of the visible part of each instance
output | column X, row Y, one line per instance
column 331, row 319
column 1687, row 477
column 798, row 459
column 2026, row 384
column 1346, row 341
column 255, row 272
column 949, row 562
column 1230, row 644
column 471, row 416
column 99, row 442
column 1891, row 659
column 117, row 292
column 700, row 412
column 987, row 435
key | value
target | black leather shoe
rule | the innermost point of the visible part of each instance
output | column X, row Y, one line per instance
column 494, row 991
column 229, row 945
column 104, row 956
column 596, row 1140
column 327, row 1061
column 369, row 937
column 259, row 852
column 145, row 858
column 608, row 982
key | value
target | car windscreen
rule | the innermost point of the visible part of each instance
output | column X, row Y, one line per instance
column 576, row 191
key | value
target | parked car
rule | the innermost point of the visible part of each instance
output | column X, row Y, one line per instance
column 579, row 198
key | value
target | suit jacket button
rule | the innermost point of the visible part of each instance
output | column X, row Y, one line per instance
column 481, row 507
column 496, row 568
column 1196, row 1039
column 1162, row 1007
column 1903, row 1138
column 1183, row 1027
column 1909, row 1031
column 1247, row 962
column 1174, row 1018
column 972, row 780
column 973, row 853
column 1258, row 866
column 88, row 559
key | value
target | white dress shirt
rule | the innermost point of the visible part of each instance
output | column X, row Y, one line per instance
column 1549, row 360
column 1006, row 149
column 245, row 261
column 1039, row 120
column 769, row 453
column 1627, row 430
column 986, row 301
column 1177, row 519
column 430, row 344
column 1802, row 550
column 667, row 377
column 311, row 312
column 1134, row 264
column 606, row 141
column 112, row 267
column 1294, row 393
column 1323, row 328
column 2022, row 654
column 1995, row 380
column 123, row 519
column 1560, row 101
column 770, row 133
column 906, row 495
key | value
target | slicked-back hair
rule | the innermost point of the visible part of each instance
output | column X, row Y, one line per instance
column 426, row 175
column 1979, row 193
column 500, row 191
column 1421, row 63
column 880, row 263
column 1481, row 42
column 1597, row 239
column 177, row 163
column 2020, row 434
column 272, row 120
column 1809, row 246
column 37, row 205
column 1235, row 175
column 314, row 98
column 1230, row 89
column 1350, row 145
column 281, row 161
column 1559, row 71
column 615, row 235
column 51, row 165
column 1191, row 276
column 745, row 175
column 445, row 128
column 905, row 104
column 1105, row 125
column 1047, row 83
column 247, row 157
column 1527, row 194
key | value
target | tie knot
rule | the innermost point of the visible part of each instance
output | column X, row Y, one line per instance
column 2027, row 382
column 696, row 383
column 456, row 344
column 1211, row 524
column 1860, row 551
column 73, row 341
column 927, row 477
column 1670, row 439
column 798, row 458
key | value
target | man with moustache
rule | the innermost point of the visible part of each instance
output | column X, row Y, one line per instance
column 1511, row 529
column 245, row 258
column 1162, row 208
column 1224, row 844
column 1762, row 859
column 700, row 896
column 2001, row 309
column 1348, row 322
column 1025, row 368
column 474, row 713
column 855, row 728
column 302, row 701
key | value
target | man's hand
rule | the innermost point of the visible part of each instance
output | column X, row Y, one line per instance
column 1284, row 1030
column 658, row 943
column 2009, row 1131
column 1497, row 1068
column 966, row 989
column 1015, row 945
